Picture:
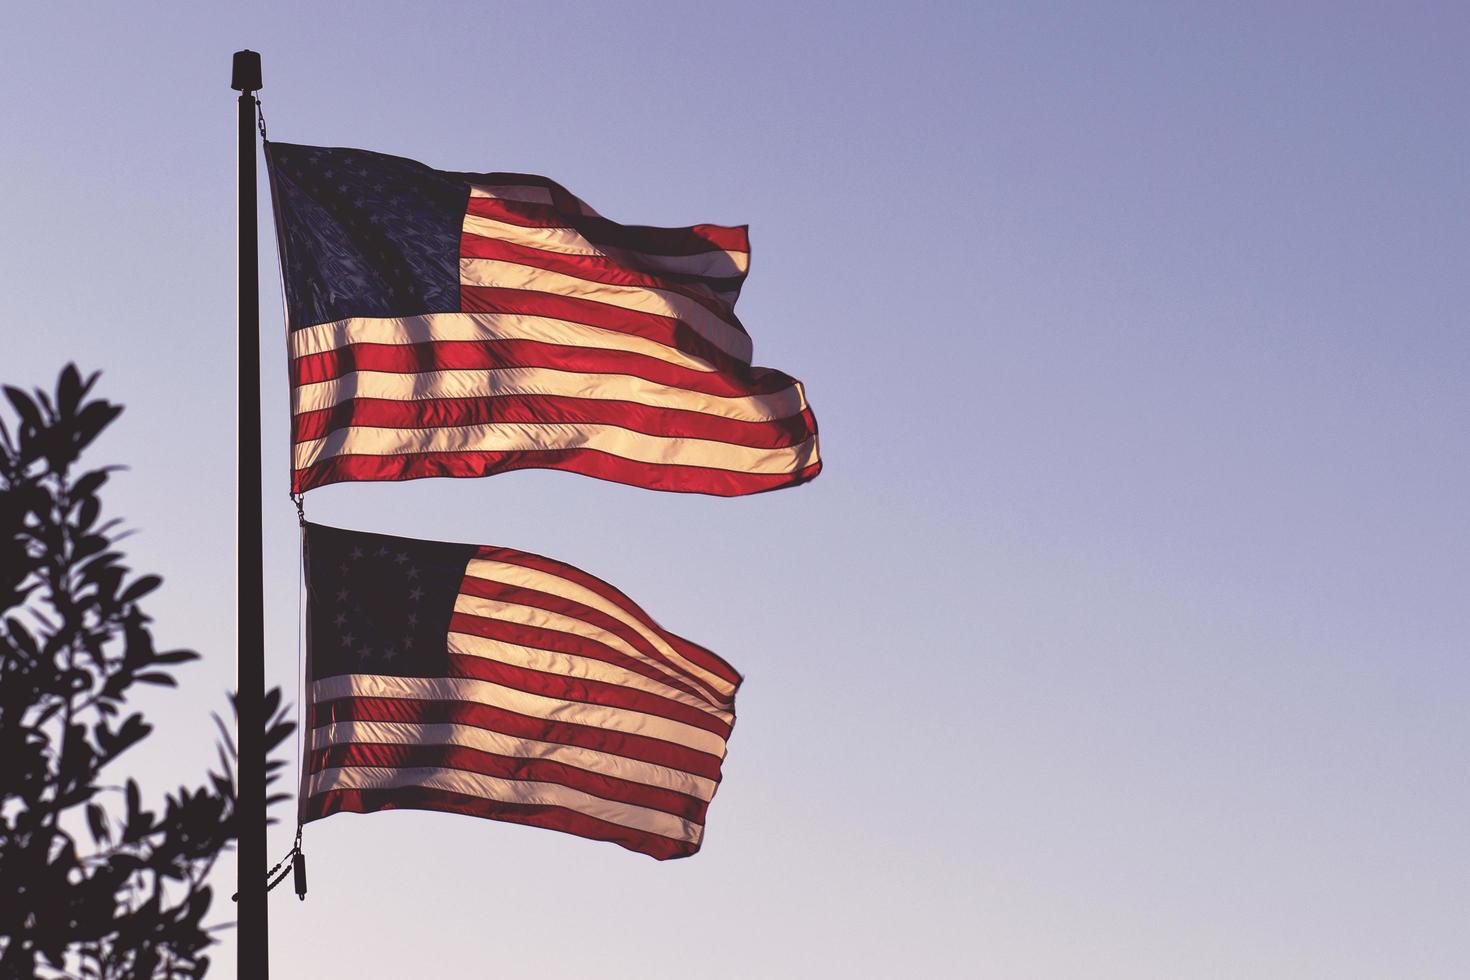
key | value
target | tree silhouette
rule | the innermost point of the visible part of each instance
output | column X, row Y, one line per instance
column 131, row 902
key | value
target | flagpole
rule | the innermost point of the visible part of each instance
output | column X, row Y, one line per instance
column 251, row 935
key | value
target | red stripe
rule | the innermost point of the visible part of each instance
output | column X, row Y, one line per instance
column 393, row 756
column 562, row 199
column 693, row 240
column 693, row 652
column 666, row 330
column 728, row 279
column 583, row 691
column 588, row 462
column 631, row 746
column 563, row 606
column 571, row 644
column 493, row 353
column 548, row 817
column 670, row 423
column 591, row 268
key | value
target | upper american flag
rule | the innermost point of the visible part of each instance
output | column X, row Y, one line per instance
column 458, row 324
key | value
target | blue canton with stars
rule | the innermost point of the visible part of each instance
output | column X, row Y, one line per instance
column 364, row 234
column 378, row 604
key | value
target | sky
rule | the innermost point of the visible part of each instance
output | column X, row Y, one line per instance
column 1124, row 634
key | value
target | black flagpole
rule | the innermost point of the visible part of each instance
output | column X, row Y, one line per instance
column 251, row 936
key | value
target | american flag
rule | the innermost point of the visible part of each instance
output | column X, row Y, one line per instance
column 454, row 324
column 500, row 684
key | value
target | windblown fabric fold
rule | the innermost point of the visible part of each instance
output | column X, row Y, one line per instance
column 500, row 684
column 453, row 324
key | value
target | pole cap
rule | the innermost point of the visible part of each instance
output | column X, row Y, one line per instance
column 246, row 74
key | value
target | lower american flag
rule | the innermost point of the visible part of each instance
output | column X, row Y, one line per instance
column 456, row 324
column 500, row 684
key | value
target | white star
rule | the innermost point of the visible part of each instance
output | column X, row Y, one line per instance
column 408, row 643
column 400, row 558
column 413, row 571
column 356, row 553
column 347, row 639
column 365, row 652
column 341, row 618
column 389, row 653
column 342, row 595
column 416, row 594
column 382, row 552
column 413, row 619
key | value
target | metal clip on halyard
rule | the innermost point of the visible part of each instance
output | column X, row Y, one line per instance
column 297, row 860
column 277, row 874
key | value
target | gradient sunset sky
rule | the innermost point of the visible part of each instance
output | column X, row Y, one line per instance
column 1125, row 633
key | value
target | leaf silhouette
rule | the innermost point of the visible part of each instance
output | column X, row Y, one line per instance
column 74, row 643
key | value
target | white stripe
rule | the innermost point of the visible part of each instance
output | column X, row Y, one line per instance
column 511, row 275
column 567, row 241
column 496, row 743
column 534, row 705
column 481, row 327
column 565, row 664
column 506, row 791
column 520, row 576
column 530, row 194
column 717, row 262
column 497, row 437
column 512, row 192
column 493, row 382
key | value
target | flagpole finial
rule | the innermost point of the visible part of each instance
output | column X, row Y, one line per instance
column 246, row 74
